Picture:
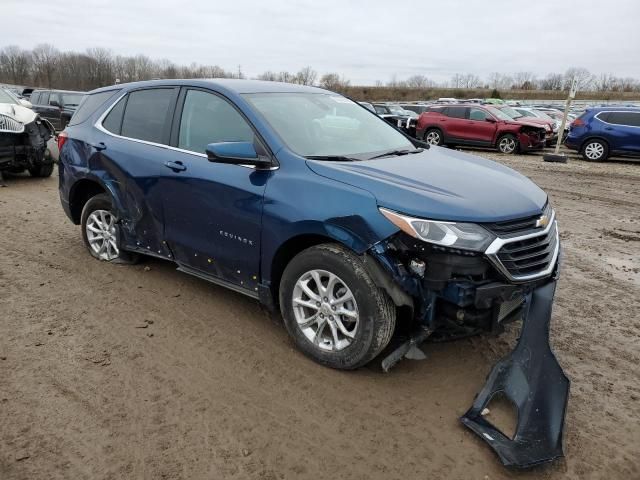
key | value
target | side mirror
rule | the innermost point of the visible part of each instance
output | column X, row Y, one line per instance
column 55, row 103
column 490, row 120
column 25, row 103
column 236, row 153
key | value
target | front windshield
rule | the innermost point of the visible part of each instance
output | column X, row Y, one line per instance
column 71, row 99
column 499, row 113
column 325, row 125
column 511, row 112
column 6, row 97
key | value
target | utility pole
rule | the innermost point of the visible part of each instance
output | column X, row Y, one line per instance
column 556, row 156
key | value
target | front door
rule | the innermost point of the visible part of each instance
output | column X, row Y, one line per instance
column 480, row 130
column 213, row 211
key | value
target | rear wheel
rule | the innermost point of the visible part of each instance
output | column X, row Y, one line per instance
column 507, row 144
column 101, row 231
column 595, row 150
column 433, row 136
column 333, row 309
column 42, row 170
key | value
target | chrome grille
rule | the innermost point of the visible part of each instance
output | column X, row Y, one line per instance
column 519, row 225
column 9, row 125
column 529, row 256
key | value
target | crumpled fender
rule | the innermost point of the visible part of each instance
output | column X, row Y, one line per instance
column 531, row 377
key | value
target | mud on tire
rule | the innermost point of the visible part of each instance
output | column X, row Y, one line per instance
column 376, row 311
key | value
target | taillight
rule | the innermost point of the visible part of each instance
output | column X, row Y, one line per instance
column 578, row 122
column 62, row 138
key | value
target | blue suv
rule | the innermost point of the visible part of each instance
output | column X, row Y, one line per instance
column 312, row 204
column 604, row 131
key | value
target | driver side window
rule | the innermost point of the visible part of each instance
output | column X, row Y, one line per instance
column 206, row 118
column 477, row 114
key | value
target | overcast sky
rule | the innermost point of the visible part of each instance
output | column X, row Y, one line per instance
column 366, row 40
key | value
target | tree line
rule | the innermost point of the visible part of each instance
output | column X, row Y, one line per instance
column 46, row 66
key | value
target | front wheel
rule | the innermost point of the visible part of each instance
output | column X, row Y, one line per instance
column 507, row 144
column 433, row 136
column 595, row 151
column 333, row 309
column 101, row 231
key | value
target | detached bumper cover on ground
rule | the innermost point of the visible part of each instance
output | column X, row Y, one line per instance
column 533, row 380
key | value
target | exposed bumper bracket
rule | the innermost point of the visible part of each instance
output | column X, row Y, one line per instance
column 533, row 380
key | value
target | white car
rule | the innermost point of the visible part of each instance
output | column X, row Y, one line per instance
column 23, row 139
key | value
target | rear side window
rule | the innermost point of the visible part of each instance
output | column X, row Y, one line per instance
column 456, row 112
column 113, row 121
column 89, row 104
column 624, row 118
column 206, row 118
column 146, row 114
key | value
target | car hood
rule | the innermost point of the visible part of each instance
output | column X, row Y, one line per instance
column 18, row 112
column 528, row 123
column 441, row 184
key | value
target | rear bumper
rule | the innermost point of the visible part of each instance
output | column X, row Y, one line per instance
column 572, row 143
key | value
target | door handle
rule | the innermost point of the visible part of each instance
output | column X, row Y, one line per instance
column 177, row 166
column 99, row 146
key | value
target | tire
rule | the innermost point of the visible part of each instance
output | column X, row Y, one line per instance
column 41, row 171
column 433, row 136
column 375, row 314
column 507, row 144
column 595, row 150
column 103, row 222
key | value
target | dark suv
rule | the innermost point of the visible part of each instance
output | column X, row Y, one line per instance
column 600, row 132
column 310, row 203
column 480, row 126
column 57, row 106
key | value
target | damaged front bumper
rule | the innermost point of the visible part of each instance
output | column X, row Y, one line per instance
column 530, row 377
column 452, row 294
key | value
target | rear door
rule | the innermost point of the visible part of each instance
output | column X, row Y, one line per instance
column 135, row 150
column 456, row 125
column 623, row 130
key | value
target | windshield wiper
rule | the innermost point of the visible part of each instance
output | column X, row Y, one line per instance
column 397, row 153
column 332, row 158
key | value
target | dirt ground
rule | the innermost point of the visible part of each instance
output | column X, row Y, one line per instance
column 132, row 372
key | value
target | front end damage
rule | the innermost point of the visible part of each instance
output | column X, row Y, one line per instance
column 532, row 138
column 458, row 293
column 23, row 140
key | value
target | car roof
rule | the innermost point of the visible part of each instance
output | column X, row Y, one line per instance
column 615, row 108
column 57, row 90
column 228, row 84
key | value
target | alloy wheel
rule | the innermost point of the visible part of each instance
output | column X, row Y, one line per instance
column 594, row 151
column 325, row 310
column 101, row 234
column 433, row 138
column 507, row 145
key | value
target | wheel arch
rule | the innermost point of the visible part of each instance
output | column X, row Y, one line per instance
column 594, row 137
column 81, row 192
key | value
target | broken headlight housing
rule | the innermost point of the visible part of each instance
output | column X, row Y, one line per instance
column 463, row 236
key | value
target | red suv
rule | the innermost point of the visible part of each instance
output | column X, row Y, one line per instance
column 480, row 126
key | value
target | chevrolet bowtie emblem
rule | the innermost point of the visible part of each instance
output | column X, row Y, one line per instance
column 543, row 221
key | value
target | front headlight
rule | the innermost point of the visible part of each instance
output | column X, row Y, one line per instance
column 465, row 236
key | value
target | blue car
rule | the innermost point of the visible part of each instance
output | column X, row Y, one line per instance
column 604, row 131
column 312, row 204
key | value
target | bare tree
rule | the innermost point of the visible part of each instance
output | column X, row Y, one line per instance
column 582, row 76
column 45, row 60
column 306, row 76
column 419, row 81
column 524, row 81
column 499, row 81
column 553, row 81
column 333, row 81
column 15, row 63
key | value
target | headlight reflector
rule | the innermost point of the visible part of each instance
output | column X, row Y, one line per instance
column 465, row 236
